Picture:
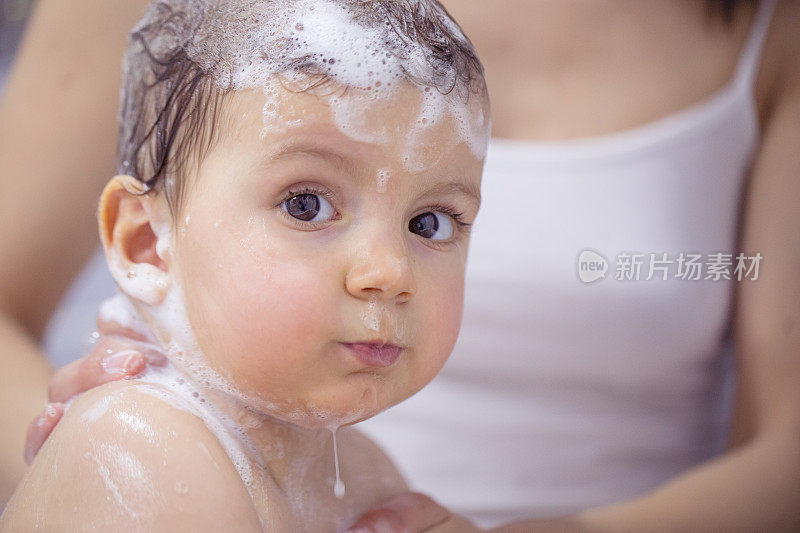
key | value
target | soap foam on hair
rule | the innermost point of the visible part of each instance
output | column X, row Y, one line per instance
column 359, row 47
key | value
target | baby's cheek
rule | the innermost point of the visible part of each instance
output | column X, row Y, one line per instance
column 440, row 323
column 450, row 318
column 278, row 323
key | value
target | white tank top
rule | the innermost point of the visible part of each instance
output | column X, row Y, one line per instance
column 562, row 395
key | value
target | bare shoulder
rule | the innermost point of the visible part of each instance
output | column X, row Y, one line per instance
column 125, row 458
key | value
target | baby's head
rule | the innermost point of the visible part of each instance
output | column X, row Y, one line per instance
column 297, row 180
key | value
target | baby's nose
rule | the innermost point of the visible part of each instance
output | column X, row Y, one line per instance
column 381, row 274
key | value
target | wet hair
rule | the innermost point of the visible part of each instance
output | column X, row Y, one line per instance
column 183, row 57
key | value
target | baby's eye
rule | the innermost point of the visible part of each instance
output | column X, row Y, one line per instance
column 432, row 225
column 308, row 207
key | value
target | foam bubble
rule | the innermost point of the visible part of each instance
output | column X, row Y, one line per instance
column 119, row 309
column 371, row 316
column 366, row 50
column 381, row 179
column 142, row 281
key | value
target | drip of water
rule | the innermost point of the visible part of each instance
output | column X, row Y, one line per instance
column 338, row 485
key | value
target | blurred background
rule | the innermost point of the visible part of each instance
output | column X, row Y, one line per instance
column 67, row 329
column 13, row 14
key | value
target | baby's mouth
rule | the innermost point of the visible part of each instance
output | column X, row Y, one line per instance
column 374, row 353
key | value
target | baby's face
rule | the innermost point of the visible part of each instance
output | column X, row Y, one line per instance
column 302, row 250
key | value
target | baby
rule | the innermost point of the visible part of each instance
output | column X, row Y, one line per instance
column 290, row 226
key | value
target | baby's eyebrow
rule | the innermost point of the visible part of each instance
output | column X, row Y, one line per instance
column 463, row 187
column 340, row 161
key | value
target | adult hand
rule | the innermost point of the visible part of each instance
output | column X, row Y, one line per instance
column 411, row 512
column 120, row 353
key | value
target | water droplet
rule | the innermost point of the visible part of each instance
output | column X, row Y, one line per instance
column 338, row 489
column 338, row 485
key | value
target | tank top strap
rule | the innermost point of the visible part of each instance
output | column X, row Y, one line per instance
column 747, row 68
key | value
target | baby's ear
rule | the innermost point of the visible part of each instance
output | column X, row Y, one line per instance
column 125, row 217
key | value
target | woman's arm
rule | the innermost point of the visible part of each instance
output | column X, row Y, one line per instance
column 57, row 145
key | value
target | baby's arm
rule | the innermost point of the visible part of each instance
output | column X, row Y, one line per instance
column 122, row 459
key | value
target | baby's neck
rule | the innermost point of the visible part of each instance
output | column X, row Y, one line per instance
column 252, row 438
column 299, row 463
column 258, row 444
column 282, row 447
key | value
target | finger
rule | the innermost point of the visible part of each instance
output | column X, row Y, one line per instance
column 405, row 512
column 153, row 356
column 107, row 326
column 111, row 359
column 40, row 428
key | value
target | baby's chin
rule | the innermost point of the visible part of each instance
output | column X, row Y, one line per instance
column 362, row 397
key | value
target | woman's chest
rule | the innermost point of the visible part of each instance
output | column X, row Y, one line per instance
column 564, row 70
column 628, row 259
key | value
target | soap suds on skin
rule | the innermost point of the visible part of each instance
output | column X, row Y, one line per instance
column 142, row 281
column 119, row 309
column 379, row 316
column 170, row 386
column 96, row 411
column 137, row 424
column 381, row 179
column 124, row 476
